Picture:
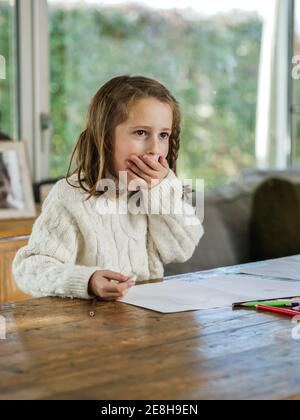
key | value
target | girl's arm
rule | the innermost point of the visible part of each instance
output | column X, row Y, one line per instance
column 173, row 237
column 47, row 265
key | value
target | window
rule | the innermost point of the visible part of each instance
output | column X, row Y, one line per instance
column 8, row 80
column 296, row 87
column 207, row 53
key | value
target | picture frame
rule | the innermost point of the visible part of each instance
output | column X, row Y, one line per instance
column 16, row 192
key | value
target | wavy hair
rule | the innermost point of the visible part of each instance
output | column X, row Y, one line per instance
column 109, row 108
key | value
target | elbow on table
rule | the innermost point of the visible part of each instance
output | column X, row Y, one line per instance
column 21, row 277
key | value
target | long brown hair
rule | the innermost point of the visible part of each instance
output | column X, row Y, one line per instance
column 109, row 108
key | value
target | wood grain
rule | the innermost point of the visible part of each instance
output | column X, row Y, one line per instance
column 17, row 227
column 21, row 227
column 9, row 291
column 54, row 350
column 14, row 234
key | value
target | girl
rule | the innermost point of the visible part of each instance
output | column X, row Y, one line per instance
column 75, row 250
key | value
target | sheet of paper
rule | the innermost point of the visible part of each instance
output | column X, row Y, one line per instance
column 217, row 292
column 283, row 268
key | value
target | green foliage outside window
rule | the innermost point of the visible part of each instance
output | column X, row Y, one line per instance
column 210, row 64
column 8, row 119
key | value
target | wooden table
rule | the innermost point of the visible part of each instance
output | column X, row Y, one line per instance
column 54, row 350
column 14, row 234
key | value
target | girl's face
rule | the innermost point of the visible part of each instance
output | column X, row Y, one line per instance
column 147, row 131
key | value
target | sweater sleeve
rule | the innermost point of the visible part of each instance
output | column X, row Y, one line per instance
column 47, row 265
column 173, row 227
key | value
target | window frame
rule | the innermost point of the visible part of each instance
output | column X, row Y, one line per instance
column 285, row 142
column 276, row 151
column 34, row 82
column 14, row 77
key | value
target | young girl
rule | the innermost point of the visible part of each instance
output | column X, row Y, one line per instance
column 75, row 250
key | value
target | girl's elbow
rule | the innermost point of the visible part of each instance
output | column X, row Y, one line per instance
column 189, row 249
column 195, row 232
column 186, row 249
column 199, row 233
column 22, row 279
column 20, row 282
column 184, row 254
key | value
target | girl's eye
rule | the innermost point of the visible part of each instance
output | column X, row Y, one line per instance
column 140, row 131
column 167, row 136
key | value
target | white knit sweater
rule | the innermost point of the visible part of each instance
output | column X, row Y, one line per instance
column 72, row 239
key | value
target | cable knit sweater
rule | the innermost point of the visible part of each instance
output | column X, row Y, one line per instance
column 72, row 239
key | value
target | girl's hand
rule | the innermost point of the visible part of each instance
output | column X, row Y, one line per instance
column 147, row 171
column 101, row 285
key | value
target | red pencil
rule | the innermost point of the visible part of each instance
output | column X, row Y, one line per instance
column 278, row 310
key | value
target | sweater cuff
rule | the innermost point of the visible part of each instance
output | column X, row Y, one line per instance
column 78, row 281
column 159, row 199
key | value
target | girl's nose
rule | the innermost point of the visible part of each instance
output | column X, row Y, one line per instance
column 155, row 148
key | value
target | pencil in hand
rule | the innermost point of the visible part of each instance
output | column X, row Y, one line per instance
column 92, row 312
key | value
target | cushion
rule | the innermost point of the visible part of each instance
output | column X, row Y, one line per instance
column 275, row 220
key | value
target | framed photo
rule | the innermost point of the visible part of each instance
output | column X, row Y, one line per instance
column 16, row 194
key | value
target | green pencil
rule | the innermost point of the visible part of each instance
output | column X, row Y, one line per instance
column 275, row 304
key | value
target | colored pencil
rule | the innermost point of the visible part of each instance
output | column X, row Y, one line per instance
column 277, row 310
column 92, row 312
column 274, row 303
column 258, row 302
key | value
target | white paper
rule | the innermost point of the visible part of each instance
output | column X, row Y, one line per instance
column 217, row 292
column 283, row 268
